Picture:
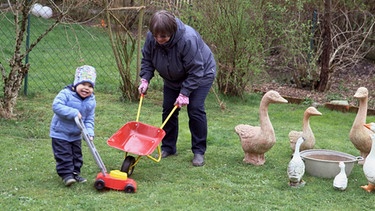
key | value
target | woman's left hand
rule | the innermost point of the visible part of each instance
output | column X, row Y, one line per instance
column 182, row 100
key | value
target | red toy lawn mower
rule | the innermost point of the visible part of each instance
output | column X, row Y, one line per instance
column 115, row 179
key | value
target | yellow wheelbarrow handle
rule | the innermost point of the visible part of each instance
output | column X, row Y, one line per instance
column 169, row 116
column 161, row 127
column 139, row 107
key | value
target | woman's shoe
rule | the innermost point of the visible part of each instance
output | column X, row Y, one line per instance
column 165, row 154
column 198, row 160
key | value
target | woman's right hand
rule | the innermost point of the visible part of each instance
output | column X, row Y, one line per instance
column 143, row 87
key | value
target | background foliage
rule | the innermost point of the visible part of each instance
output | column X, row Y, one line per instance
column 235, row 34
column 248, row 38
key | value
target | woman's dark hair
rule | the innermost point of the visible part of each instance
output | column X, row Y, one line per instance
column 163, row 23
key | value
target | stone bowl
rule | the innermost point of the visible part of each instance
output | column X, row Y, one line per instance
column 324, row 163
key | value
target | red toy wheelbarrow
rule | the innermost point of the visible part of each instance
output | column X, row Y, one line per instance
column 139, row 139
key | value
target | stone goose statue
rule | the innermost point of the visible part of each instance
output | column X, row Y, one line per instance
column 340, row 182
column 296, row 167
column 369, row 165
column 306, row 132
column 359, row 135
column 257, row 140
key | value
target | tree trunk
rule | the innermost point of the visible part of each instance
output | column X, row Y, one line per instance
column 7, row 104
column 327, row 48
column 13, row 81
column 18, row 70
column 12, row 86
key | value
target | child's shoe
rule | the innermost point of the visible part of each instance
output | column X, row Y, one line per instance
column 79, row 179
column 69, row 180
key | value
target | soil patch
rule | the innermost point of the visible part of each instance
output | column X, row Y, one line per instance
column 343, row 87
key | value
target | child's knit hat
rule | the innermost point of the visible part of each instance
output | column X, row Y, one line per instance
column 85, row 73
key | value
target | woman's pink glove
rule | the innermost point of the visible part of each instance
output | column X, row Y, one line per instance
column 143, row 87
column 181, row 100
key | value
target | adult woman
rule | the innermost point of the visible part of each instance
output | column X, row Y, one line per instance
column 188, row 68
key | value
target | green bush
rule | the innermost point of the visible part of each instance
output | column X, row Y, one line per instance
column 234, row 33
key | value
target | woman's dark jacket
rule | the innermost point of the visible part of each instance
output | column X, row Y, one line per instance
column 185, row 62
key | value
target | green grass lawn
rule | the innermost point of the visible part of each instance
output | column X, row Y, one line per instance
column 29, row 181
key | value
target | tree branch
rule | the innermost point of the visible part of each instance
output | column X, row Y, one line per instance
column 3, row 73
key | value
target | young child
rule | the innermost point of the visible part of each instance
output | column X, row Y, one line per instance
column 77, row 99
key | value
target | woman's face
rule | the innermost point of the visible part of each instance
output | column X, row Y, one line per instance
column 162, row 38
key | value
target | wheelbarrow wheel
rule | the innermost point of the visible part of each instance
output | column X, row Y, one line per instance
column 99, row 184
column 129, row 188
column 127, row 165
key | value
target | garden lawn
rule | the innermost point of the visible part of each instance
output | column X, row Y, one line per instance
column 29, row 180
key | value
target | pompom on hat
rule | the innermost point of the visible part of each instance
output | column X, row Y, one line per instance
column 85, row 73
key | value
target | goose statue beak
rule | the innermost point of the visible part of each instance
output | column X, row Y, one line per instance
column 369, row 126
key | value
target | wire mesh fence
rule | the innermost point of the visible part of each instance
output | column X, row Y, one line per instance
column 53, row 62
column 82, row 38
column 54, row 59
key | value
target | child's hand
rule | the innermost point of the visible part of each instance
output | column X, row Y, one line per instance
column 79, row 115
column 91, row 138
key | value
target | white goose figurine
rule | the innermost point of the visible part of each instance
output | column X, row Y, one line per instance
column 257, row 140
column 296, row 167
column 359, row 135
column 369, row 165
column 306, row 132
column 341, row 180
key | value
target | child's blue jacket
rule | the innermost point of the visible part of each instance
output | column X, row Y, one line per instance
column 66, row 106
